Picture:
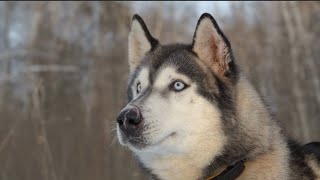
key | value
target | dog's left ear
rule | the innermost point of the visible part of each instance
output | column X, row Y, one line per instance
column 140, row 42
column 212, row 47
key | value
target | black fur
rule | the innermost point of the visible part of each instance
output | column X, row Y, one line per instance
column 312, row 148
column 154, row 42
column 297, row 161
column 207, row 15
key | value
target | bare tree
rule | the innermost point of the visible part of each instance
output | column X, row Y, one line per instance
column 63, row 76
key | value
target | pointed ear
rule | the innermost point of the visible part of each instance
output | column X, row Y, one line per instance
column 212, row 47
column 140, row 42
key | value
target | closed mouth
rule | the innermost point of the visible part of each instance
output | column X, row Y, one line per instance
column 141, row 144
column 165, row 138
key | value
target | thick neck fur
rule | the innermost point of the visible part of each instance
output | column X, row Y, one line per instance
column 256, row 137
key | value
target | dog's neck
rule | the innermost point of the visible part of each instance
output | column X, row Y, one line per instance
column 187, row 165
column 257, row 136
column 171, row 167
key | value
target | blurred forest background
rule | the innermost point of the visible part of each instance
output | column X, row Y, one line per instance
column 63, row 75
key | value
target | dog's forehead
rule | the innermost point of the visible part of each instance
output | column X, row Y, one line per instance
column 178, row 56
column 178, row 59
column 174, row 59
column 170, row 54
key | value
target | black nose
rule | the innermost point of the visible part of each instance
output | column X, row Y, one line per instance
column 129, row 120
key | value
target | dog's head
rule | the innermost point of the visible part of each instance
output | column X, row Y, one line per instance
column 178, row 94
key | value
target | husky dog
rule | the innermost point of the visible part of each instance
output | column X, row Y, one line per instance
column 193, row 115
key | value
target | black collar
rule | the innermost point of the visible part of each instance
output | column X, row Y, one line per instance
column 232, row 172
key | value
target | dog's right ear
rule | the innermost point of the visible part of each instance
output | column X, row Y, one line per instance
column 140, row 42
column 213, row 47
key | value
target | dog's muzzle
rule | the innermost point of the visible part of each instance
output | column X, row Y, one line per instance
column 130, row 120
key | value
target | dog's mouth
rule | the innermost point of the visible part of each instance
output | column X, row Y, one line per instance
column 141, row 143
column 166, row 138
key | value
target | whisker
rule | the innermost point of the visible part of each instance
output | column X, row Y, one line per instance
column 111, row 130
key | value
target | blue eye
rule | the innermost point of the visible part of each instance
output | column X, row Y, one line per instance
column 138, row 87
column 179, row 86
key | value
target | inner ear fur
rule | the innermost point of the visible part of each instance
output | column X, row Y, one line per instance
column 212, row 47
column 140, row 42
